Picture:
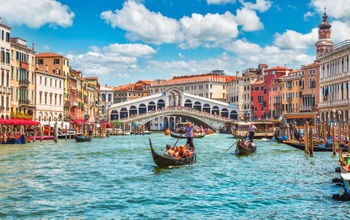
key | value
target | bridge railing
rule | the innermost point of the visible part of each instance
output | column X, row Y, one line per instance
column 188, row 109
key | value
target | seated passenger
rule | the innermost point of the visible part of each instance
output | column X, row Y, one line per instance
column 169, row 152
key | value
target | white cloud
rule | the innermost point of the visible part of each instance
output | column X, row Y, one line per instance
column 220, row 2
column 36, row 13
column 209, row 30
column 336, row 8
column 251, row 53
column 294, row 40
column 308, row 14
column 143, row 24
column 340, row 31
column 181, row 55
column 189, row 32
column 248, row 19
column 260, row 5
column 112, row 59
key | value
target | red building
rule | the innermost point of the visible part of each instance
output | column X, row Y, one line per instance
column 257, row 101
column 269, row 74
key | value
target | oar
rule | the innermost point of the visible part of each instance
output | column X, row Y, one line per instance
column 177, row 141
column 231, row 146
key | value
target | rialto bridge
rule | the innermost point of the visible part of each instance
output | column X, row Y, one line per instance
column 173, row 105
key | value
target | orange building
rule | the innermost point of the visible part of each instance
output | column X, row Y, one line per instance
column 292, row 85
column 131, row 91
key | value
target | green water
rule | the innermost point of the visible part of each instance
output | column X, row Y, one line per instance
column 116, row 178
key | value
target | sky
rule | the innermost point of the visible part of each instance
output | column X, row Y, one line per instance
column 123, row 41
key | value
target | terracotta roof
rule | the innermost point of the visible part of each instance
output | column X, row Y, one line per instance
column 146, row 81
column 310, row 65
column 195, row 78
column 258, row 82
column 295, row 71
column 277, row 68
column 48, row 55
column 263, row 64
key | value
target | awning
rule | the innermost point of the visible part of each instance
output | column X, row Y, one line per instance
column 18, row 122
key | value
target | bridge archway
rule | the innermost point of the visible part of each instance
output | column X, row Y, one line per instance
column 215, row 110
column 142, row 108
column 233, row 115
column 224, row 112
column 174, row 97
column 160, row 104
column 133, row 110
column 114, row 115
column 151, row 106
column 206, row 108
column 197, row 106
column 172, row 123
column 188, row 103
column 123, row 113
column 165, row 123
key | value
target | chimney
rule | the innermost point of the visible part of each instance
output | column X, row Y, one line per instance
column 237, row 73
column 47, row 68
column 33, row 46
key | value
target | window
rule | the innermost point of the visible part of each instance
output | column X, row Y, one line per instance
column 16, row 93
column 11, row 93
column 45, row 82
column 50, row 82
column 2, row 35
column 60, row 84
column 56, row 61
column 55, row 82
column 7, row 37
column 41, row 61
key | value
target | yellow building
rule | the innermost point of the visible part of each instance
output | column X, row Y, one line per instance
column 292, row 85
column 22, row 79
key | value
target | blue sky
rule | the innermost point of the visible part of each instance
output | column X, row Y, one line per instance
column 124, row 41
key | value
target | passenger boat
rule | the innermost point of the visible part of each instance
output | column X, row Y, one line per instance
column 164, row 161
column 16, row 140
column 182, row 136
column 82, row 139
column 264, row 129
column 242, row 150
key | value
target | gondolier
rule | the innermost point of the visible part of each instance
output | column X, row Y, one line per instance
column 251, row 130
column 189, row 135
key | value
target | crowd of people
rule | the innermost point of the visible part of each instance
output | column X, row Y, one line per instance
column 177, row 152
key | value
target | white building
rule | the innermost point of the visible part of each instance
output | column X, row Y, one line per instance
column 334, row 83
column 5, row 69
column 49, row 96
column 106, row 100
column 235, row 93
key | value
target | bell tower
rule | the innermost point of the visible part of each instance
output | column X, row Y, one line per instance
column 324, row 43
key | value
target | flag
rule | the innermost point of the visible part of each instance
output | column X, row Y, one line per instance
column 347, row 159
column 340, row 158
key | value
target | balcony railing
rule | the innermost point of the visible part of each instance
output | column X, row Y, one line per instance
column 24, row 102
column 24, row 82
column 307, row 108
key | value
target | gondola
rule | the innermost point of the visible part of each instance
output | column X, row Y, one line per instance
column 82, row 139
column 164, row 161
column 18, row 140
column 242, row 150
column 301, row 146
column 182, row 136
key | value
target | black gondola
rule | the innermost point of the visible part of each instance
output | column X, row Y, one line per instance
column 301, row 146
column 242, row 150
column 164, row 161
column 82, row 139
column 182, row 136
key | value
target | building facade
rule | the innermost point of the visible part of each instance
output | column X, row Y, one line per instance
column 50, row 96
column 22, row 79
column 275, row 98
column 6, row 90
column 128, row 92
column 311, row 87
column 106, row 100
column 292, row 85
column 235, row 93
column 257, row 102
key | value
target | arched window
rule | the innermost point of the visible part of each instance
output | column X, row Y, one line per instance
column 123, row 113
column 224, row 112
column 188, row 103
column 114, row 115
column 151, row 106
column 215, row 110
column 142, row 109
column 133, row 110
column 233, row 115
column 206, row 108
column 160, row 104
column 197, row 106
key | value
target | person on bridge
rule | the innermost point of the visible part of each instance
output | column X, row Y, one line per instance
column 189, row 135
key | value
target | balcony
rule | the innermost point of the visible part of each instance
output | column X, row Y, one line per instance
column 24, row 102
column 24, row 66
column 333, row 104
column 308, row 108
column 24, row 82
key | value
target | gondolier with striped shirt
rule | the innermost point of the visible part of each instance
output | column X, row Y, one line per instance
column 189, row 135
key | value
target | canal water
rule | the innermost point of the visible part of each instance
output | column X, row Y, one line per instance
column 116, row 178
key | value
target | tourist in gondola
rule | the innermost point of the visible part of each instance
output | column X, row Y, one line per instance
column 169, row 152
column 251, row 130
column 189, row 135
